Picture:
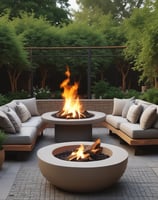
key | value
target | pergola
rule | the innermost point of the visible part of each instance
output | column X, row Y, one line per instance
column 89, row 55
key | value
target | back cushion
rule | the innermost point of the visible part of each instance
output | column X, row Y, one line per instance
column 31, row 105
column 148, row 117
column 118, row 106
column 6, row 124
column 14, row 119
column 134, row 113
column 23, row 112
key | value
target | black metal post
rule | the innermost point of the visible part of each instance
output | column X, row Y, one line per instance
column 89, row 75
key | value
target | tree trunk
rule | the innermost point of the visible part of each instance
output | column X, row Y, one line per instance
column 44, row 73
column 13, row 77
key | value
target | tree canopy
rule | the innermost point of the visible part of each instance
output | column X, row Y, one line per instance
column 98, row 23
column 55, row 11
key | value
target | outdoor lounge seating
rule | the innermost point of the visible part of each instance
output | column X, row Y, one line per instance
column 135, row 121
column 22, row 123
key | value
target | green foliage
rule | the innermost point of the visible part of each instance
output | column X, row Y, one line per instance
column 42, row 93
column 119, row 9
column 55, row 11
column 132, row 93
column 100, row 88
column 57, row 95
column 104, row 90
column 17, row 95
column 150, row 95
column 141, row 32
column 113, row 92
column 3, row 99
column 2, row 138
column 12, row 52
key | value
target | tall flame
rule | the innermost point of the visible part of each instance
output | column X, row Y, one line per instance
column 72, row 107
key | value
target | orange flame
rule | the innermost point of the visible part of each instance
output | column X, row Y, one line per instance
column 79, row 154
column 72, row 107
column 86, row 153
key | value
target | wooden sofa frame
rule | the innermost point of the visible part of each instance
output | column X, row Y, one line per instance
column 136, row 143
column 25, row 147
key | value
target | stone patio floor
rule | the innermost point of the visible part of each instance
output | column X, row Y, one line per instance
column 145, row 165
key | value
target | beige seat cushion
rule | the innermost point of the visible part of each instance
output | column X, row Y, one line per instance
column 136, row 132
column 115, row 121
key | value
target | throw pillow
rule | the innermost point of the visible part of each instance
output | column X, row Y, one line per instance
column 118, row 106
column 6, row 124
column 148, row 117
column 31, row 105
column 14, row 119
column 126, row 107
column 23, row 112
column 134, row 113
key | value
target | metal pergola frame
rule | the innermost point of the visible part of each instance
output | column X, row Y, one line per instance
column 89, row 55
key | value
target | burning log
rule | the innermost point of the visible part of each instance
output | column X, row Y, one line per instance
column 62, row 114
column 86, row 153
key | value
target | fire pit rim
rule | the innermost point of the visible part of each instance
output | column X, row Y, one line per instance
column 97, row 117
column 46, row 154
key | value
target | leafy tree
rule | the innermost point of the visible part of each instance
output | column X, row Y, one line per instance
column 113, row 35
column 12, row 54
column 79, row 34
column 39, row 33
column 55, row 11
column 119, row 9
column 147, row 61
column 141, row 31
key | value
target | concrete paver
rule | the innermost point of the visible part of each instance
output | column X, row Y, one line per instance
column 140, row 180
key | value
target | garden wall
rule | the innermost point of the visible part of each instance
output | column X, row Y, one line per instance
column 101, row 105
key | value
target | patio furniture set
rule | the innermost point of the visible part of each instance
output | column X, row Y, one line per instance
column 135, row 121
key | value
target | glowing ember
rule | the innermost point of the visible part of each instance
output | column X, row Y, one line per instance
column 72, row 107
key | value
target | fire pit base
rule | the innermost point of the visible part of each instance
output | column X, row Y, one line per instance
column 67, row 130
column 67, row 133
column 82, row 176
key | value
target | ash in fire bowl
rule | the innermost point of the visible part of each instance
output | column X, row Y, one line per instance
column 84, row 114
column 84, row 153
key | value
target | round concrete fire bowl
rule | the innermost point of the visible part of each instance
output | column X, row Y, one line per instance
column 84, row 176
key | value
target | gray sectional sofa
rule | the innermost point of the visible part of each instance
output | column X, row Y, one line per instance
column 135, row 121
column 22, row 123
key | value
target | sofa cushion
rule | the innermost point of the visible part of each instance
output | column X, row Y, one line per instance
column 31, row 105
column 22, row 111
column 115, row 121
column 26, row 136
column 6, row 124
column 35, row 121
column 126, row 107
column 148, row 117
column 14, row 119
column 136, row 132
column 143, row 103
column 118, row 106
column 134, row 113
